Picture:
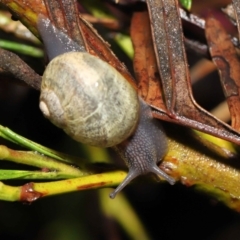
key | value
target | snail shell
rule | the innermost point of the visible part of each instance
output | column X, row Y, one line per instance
column 89, row 99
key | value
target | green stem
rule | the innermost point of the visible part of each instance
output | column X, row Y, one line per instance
column 22, row 174
column 8, row 193
column 37, row 160
column 9, row 135
column 21, row 48
column 32, row 191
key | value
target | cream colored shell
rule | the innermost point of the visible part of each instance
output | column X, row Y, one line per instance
column 89, row 99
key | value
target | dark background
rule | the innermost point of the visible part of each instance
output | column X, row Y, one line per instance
column 167, row 212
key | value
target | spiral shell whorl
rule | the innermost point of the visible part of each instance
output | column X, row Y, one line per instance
column 89, row 99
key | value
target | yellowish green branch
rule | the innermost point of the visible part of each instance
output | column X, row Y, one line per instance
column 37, row 160
column 213, row 174
column 9, row 193
column 22, row 174
column 33, row 191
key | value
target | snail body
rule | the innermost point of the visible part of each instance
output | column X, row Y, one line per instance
column 144, row 149
column 93, row 103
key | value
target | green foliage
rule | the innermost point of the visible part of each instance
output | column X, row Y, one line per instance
column 186, row 4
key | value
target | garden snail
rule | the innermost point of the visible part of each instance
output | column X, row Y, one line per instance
column 93, row 103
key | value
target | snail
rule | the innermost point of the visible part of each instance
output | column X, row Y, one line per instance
column 94, row 104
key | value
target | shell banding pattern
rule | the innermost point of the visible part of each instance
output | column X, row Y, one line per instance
column 89, row 99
